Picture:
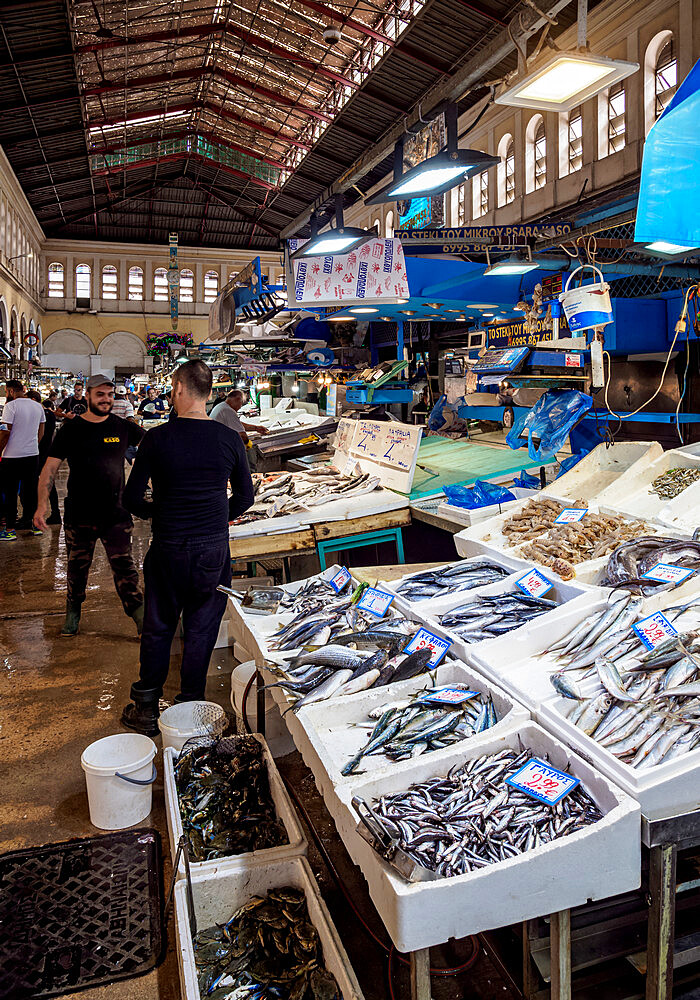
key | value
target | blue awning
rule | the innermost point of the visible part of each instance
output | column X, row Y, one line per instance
column 669, row 193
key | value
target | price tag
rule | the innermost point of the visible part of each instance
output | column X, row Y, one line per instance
column 542, row 781
column 534, row 583
column 340, row 580
column 350, row 467
column 375, row 601
column 447, row 696
column 424, row 638
column 667, row 573
column 654, row 629
column 571, row 514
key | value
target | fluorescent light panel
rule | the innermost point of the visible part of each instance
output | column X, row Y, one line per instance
column 97, row 129
column 565, row 81
column 660, row 246
column 511, row 267
column 427, row 180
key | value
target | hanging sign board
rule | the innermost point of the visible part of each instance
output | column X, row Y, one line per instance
column 388, row 450
column 376, row 272
column 515, row 335
column 173, row 279
column 467, row 239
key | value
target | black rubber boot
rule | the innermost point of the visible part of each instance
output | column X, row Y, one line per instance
column 72, row 622
column 141, row 714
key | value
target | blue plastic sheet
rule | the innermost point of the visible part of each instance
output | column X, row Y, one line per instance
column 436, row 419
column 526, row 481
column 481, row 494
column 549, row 420
column 670, row 181
column 570, row 462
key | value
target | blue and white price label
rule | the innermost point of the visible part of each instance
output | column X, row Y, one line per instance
column 534, row 583
column 542, row 781
column 448, row 696
column 571, row 514
column 654, row 629
column 667, row 573
column 436, row 643
column 375, row 601
column 340, row 580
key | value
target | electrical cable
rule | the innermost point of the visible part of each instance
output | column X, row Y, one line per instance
column 685, row 379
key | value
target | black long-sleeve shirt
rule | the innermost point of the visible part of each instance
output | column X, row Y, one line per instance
column 190, row 462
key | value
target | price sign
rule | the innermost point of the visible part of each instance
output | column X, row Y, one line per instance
column 571, row 514
column 351, row 467
column 654, row 629
column 542, row 781
column 534, row 583
column 668, row 573
column 447, row 696
column 340, row 580
column 572, row 360
column 375, row 601
column 424, row 638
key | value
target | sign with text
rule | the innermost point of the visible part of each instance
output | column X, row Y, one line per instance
column 340, row 580
column 571, row 514
column 542, row 781
column 513, row 334
column 375, row 272
column 436, row 643
column 448, row 696
column 534, row 583
column 466, row 239
column 667, row 573
column 375, row 601
column 654, row 629
column 387, row 450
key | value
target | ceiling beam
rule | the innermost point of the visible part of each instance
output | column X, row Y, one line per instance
column 205, row 31
column 452, row 88
column 184, row 134
column 217, row 196
column 173, row 157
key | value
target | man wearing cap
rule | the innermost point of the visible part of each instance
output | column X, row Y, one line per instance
column 94, row 443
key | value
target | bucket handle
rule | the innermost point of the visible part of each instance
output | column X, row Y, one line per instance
column 582, row 268
column 138, row 781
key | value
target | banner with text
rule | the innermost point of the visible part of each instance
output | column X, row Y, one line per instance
column 376, row 272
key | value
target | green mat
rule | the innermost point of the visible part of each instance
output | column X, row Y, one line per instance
column 443, row 462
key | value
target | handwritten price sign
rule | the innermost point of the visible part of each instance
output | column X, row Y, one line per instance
column 340, row 580
column 571, row 514
column 424, row 638
column 667, row 573
column 448, row 696
column 377, row 602
column 534, row 583
column 542, row 781
column 654, row 629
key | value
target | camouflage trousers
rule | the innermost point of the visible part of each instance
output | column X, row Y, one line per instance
column 116, row 539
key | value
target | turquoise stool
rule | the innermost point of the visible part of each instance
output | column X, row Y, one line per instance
column 359, row 541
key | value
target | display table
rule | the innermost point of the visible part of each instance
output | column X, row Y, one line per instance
column 446, row 462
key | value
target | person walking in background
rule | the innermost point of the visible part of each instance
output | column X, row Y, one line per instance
column 94, row 445
column 23, row 419
column 44, row 445
column 190, row 462
column 75, row 405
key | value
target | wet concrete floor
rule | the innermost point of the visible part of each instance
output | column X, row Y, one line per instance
column 58, row 695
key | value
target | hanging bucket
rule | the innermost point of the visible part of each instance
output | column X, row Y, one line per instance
column 181, row 722
column 119, row 773
column 587, row 305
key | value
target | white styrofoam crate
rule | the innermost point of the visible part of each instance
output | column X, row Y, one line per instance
column 602, row 468
column 499, row 558
column 636, row 499
column 601, row 861
column 466, row 516
column 217, row 896
column 331, row 734
column 379, row 501
column 284, row 810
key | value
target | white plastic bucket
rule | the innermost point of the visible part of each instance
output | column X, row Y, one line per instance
column 119, row 773
column 276, row 733
column 181, row 722
column 588, row 305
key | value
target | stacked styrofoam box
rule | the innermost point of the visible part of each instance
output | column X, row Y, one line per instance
column 499, row 558
column 473, row 516
column 523, row 667
column 602, row 468
column 217, row 896
column 284, row 810
column 329, row 732
column 598, row 862
column 633, row 495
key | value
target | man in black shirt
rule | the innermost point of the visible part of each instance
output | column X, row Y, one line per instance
column 190, row 462
column 75, row 405
column 94, row 444
column 152, row 406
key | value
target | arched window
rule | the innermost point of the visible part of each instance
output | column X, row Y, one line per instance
column 160, row 285
column 186, row 285
column 211, row 286
column 480, row 194
column 506, row 170
column 83, row 283
column 109, row 282
column 660, row 75
column 535, row 154
column 462, row 204
column 616, row 117
column 56, row 281
column 136, row 284
column 540, row 155
column 575, row 140
column 389, row 225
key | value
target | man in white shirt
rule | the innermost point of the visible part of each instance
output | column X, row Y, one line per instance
column 227, row 413
column 23, row 422
column 122, row 407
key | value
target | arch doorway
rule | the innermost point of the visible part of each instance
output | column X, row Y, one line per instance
column 68, row 350
column 122, row 354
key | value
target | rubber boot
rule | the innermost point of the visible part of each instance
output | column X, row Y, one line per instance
column 138, row 619
column 141, row 714
column 72, row 622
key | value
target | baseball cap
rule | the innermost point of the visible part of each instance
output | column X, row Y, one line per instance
column 95, row 381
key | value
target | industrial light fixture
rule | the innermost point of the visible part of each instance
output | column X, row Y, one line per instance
column 514, row 264
column 341, row 240
column 669, row 249
column 438, row 173
column 361, row 310
column 402, row 302
column 567, row 80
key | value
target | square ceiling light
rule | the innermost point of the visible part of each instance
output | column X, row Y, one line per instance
column 565, row 81
column 435, row 175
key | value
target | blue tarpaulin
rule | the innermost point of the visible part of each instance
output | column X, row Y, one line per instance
column 669, row 207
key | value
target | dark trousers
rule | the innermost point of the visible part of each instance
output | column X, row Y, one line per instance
column 19, row 474
column 181, row 578
column 116, row 539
